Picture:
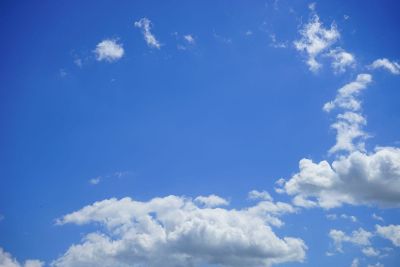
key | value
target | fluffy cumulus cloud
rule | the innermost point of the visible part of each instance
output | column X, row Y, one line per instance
column 384, row 63
column 316, row 39
column 145, row 25
column 6, row 260
column 109, row 50
column 359, row 237
column 391, row 232
column 358, row 178
column 175, row 231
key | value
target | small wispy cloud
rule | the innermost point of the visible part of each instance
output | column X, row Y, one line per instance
column 189, row 39
column 222, row 39
column 145, row 25
column 95, row 181
column 275, row 43
column 118, row 174
column 384, row 63
column 377, row 217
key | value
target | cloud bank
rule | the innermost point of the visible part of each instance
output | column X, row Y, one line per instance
column 174, row 231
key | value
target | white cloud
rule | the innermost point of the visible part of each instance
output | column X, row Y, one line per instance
column 174, row 231
column 346, row 96
column 358, row 237
column 331, row 217
column 211, row 201
column 343, row 216
column 355, row 263
column 391, row 232
column 349, row 217
column 275, row 43
column 312, row 6
column 145, row 25
column 357, row 179
column 376, row 217
column 6, row 260
column 378, row 264
column 348, row 129
column 95, row 181
column 341, row 60
column 315, row 39
column 370, row 252
column 189, row 39
column 350, row 123
column 109, row 50
column 384, row 63
column 264, row 195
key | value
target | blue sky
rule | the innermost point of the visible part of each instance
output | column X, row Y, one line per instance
column 199, row 133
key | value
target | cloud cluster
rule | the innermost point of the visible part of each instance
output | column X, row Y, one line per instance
column 109, row 50
column 362, row 238
column 358, row 237
column 6, row 260
column 145, row 25
column 174, row 231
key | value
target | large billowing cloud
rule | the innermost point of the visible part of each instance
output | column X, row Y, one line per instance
column 174, row 231
column 358, row 178
column 6, row 260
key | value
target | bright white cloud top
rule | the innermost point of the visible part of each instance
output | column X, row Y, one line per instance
column 109, row 50
column 174, row 231
column 356, row 179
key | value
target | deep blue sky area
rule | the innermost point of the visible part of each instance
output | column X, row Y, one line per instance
column 231, row 111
